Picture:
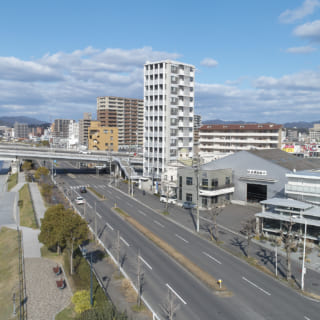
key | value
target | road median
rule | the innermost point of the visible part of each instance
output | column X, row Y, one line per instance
column 202, row 275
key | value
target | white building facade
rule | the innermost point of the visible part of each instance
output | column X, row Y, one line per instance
column 168, row 114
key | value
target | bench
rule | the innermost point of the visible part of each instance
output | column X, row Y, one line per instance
column 61, row 283
column 57, row 270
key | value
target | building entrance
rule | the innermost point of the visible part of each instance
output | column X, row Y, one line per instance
column 256, row 192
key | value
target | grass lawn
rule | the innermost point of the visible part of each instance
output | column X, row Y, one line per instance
column 27, row 216
column 12, row 181
column 66, row 314
column 9, row 271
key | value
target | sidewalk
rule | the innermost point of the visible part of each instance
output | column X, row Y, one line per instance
column 236, row 243
column 44, row 299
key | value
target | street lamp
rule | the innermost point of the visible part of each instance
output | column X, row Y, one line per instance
column 303, row 271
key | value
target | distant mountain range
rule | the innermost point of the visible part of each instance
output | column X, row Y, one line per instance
column 9, row 121
column 298, row 125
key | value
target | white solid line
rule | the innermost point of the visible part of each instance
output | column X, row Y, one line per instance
column 99, row 215
column 214, row 259
column 181, row 238
column 176, row 294
column 144, row 261
column 125, row 242
column 158, row 223
column 109, row 226
column 253, row 284
column 307, row 318
column 141, row 212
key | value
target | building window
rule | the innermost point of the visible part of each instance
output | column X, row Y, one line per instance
column 214, row 200
column 214, row 182
column 189, row 197
column 180, row 181
column 105, row 131
column 189, row 181
column 227, row 180
column 205, row 183
column 107, row 144
column 204, row 202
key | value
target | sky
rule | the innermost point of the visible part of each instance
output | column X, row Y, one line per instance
column 255, row 60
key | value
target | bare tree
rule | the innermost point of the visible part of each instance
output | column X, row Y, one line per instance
column 213, row 214
column 288, row 239
column 170, row 306
column 118, row 249
column 248, row 230
column 140, row 278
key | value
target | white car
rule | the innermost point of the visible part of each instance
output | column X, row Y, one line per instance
column 168, row 199
column 80, row 200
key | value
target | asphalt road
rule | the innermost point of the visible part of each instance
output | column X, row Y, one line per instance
column 255, row 295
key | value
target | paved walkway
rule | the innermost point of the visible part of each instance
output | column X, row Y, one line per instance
column 44, row 299
column 38, row 202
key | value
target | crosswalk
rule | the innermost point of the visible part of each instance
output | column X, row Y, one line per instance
column 102, row 186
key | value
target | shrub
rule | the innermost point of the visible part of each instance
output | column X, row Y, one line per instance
column 81, row 301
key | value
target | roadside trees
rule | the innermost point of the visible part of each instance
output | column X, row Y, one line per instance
column 248, row 230
column 40, row 172
column 62, row 228
column 288, row 239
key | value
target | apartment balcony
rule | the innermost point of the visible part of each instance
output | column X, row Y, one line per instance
column 215, row 191
column 239, row 141
column 239, row 134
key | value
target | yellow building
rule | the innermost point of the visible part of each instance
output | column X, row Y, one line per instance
column 102, row 138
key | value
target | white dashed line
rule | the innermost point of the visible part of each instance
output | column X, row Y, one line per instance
column 117, row 197
column 99, row 215
column 158, row 223
column 183, row 239
column 89, row 205
column 109, row 226
column 144, row 261
column 125, row 242
column 176, row 294
column 253, row 284
column 212, row 258
column 130, row 205
column 141, row 212
column 306, row 318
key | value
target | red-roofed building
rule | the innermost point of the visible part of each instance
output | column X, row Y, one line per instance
column 227, row 138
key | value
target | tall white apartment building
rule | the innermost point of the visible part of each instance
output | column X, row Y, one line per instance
column 168, row 114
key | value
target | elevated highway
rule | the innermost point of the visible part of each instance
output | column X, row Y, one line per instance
column 123, row 162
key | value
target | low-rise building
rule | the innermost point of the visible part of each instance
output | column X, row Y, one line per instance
column 102, row 138
column 228, row 138
column 304, row 186
column 276, row 212
column 205, row 187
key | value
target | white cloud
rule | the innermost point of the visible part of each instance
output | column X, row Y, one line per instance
column 307, row 8
column 309, row 30
column 64, row 85
column 209, row 62
column 305, row 49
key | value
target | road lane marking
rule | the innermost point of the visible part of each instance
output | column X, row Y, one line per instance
column 183, row 239
column 253, row 284
column 176, row 294
column 125, row 242
column 129, row 204
column 89, row 205
column 109, row 191
column 212, row 258
column 144, row 261
column 99, row 215
column 109, row 226
column 141, row 212
column 158, row 223
column 117, row 197
column 307, row 318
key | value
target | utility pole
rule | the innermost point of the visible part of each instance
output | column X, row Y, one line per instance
column 303, row 271
column 91, row 299
column 95, row 219
column 198, row 176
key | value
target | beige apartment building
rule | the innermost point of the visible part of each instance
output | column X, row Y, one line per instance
column 102, row 138
column 127, row 115
column 221, row 138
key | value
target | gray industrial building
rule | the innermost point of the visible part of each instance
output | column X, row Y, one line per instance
column 258, row 175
